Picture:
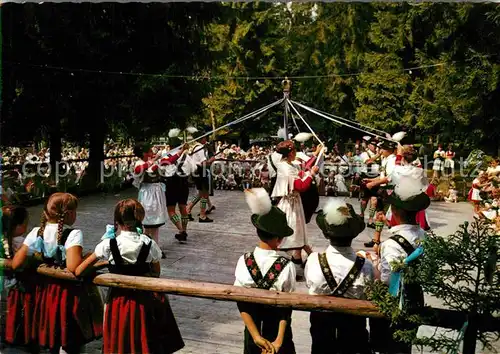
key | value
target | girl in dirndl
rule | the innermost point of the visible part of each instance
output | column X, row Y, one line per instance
column 289, row 185
column 66, row 315
column 474, row 193
column 16, row 322
column 134, row 321
column 151, row 190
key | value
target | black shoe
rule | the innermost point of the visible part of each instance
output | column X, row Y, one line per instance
column 371, row 226
column 207, row 219
column 190, row 217
column 212, row 208
column 181, row 237
column 369, row 244
column 163, row 255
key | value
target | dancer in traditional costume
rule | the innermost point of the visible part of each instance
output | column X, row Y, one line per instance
column 267, row 328
column 134, row 321
column 177, row 168
column 406, row 201
column 151, row 190
column 474, row 196
column 289, row 185
column 369, row 170
column 387, row 149
column 340, row 272
column 66, row 315
column 200, row 157
column 17, row 306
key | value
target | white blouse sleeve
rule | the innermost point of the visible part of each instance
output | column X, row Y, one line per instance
column 31, row 237
column 75, row 238
column 102, row 250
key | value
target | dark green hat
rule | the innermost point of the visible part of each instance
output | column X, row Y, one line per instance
column 339, row 220
column 387, row 145
column 267, row 217
column 409, row 193
column 273, row 223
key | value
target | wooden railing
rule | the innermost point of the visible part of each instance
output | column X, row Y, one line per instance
column 436, row 317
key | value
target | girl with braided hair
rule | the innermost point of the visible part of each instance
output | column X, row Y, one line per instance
column 16, row 324
column 66, row 315
column 134, row 321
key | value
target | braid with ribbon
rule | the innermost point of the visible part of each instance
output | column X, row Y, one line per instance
column 43, row 222
column 60, row 226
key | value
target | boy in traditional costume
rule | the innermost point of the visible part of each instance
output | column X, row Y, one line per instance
column 339, row 271
column 369, row 170
column 200, row 157
column 406, row 201
column 267, row 328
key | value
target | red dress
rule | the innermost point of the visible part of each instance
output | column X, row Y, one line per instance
column 20, row 301
column 138, row 321
column 66, row 314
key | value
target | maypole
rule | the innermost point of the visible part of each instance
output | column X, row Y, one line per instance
column 287, row 85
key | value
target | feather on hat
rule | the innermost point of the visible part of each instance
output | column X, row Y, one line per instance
column 336, row 212
column 174, row 132
column 302, row 137
column 398, row 136
column 258, row 200
column 191, row 130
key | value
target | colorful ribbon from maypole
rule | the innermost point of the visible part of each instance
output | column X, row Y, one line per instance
column 396, row 281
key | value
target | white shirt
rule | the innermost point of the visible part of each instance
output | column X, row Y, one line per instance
column 341, row 261
column 365, row 156
column 129, row 245
column 388, row 165
column 493, row 170
column 391, row 251
column 75, row 238
column 200, row 154
column 17, row 242
column 265, row 259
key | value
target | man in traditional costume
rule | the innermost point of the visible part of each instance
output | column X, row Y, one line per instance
column 370, row 170
column 406, row 201
column 177, row 168
column 438, row 166
column 340, row 272
column 380, row 183
column 200, row 157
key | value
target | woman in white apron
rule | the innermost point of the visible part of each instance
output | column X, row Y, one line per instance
column 289, row 184
column 151, row 191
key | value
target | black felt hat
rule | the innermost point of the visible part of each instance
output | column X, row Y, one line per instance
column 387, row 145
column 338, row 220
column 265, row 216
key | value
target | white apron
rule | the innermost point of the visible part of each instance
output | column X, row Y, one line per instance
column 291, row 205
column 153, row 200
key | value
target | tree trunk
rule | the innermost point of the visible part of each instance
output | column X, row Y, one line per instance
column 55, row 144
column 92, row 177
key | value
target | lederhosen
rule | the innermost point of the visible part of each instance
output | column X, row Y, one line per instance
column 66, row 314
column 339, row 333
column 177, row 185
column 265, row 317
column 381, row 333
column 366, row 193
column 138, row 321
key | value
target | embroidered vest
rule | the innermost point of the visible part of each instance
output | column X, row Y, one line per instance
column 140, row 267
column 340, row 289
column 268, row 280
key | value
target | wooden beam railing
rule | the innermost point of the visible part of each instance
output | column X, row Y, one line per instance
column 436, row 317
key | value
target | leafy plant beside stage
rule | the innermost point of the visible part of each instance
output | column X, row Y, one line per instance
column 462, row 272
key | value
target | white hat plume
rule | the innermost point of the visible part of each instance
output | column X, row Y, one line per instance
column 408, row 187
column 258, row 200
column 302, row 137
column 336, row 212
column 281, row 133
column 191, row 130
column 174, row 132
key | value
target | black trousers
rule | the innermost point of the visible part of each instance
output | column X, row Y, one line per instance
column 334, row 333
